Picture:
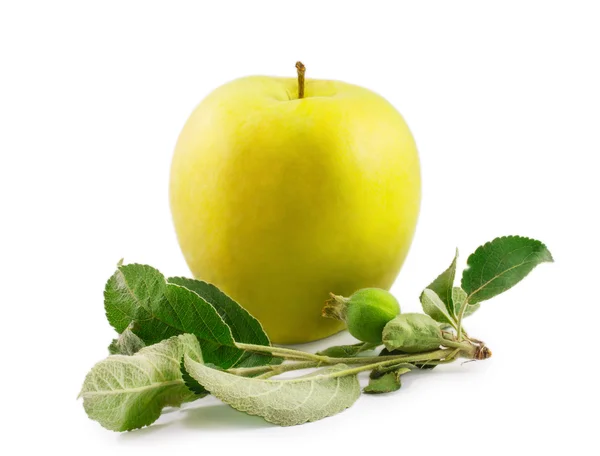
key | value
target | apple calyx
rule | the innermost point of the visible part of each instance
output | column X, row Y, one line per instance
column 335, row 307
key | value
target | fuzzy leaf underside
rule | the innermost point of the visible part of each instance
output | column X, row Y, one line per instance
column 140, row 296
column 284, row 402
column 412, row 333
column 343, row 351
column 129, row 392
column 471, row 308
column 500, row 264
column 126, row 344
column 442, row 286
column 244, row 327
column 459, row 298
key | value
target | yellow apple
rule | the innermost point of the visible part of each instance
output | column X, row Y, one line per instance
column 283, row 191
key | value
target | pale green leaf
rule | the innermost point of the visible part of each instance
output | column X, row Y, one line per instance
column 284, row 402
column 435, row 308
column 412, row 333
column 244, row 327
column 344, row 351
column 126, row 344
column 500, row 264
column 128, row 392
column 471, row 308
column 459, row 297
column 460, row 300
column 386, row 383
column 442, row 286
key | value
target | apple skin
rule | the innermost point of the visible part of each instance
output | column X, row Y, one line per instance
column 279, row 201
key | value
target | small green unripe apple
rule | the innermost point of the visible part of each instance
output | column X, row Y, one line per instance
column 365, row 313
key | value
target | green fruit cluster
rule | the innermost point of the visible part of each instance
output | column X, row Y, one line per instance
column 365, row 313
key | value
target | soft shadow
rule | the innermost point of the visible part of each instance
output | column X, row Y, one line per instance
column 212, row 416
column 140, row 433
column 168, row 410
column 220, row 417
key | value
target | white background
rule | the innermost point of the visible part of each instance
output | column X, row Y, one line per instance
column 504, row 101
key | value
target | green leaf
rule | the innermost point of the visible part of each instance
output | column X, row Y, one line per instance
column 500, row 264
column 189, row 313
column 412, row 333
column 284, row 402
column 381, row 370
column 459, row 297
column 158, row 310
column 385, row 352
column 471, row 308
column 345, row 351
column 435, row 308
column 442, row 286
column 244, row 327
column 129, row 295
column 386, row 383
column 126, row 344
column 460, row 300
column 190, row 382
column 129, row 392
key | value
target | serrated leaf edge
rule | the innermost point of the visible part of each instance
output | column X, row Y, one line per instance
column 167, row 283
column 480, row 251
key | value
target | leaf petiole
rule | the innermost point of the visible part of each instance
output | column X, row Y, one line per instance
column 367, row 363
column 273, row 369
column 437, row 355
column 280, row 352
column 459, row 331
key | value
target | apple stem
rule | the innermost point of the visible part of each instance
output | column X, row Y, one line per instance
column 301, row 70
